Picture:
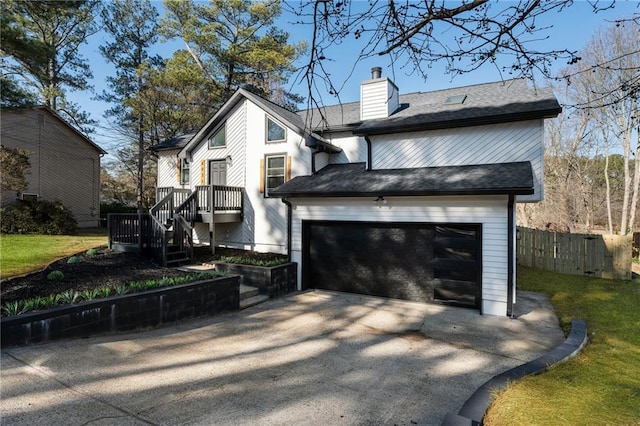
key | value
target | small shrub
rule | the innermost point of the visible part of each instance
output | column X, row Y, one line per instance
column 37, row 217
column 73, row 260
column 55, row 275
column 91, row 252
column 104, row 291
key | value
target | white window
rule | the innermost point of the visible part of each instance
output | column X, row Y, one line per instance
column 275, row 172
column 219, row 138
column 184, row 171
column 29, row 197
column 275, row 132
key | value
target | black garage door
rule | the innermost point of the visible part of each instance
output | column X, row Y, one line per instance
column 419, row 262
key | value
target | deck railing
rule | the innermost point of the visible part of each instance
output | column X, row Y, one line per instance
column 129, row 228
column 228, row 198
column 179, row 194
column 177, row 208
column 225, row 198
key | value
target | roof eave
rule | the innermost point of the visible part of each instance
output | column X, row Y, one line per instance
column 461, row 122
column 432, row 193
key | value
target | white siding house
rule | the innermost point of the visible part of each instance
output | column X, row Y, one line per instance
column 247, row 155
column 408, row 196
column 64, row 164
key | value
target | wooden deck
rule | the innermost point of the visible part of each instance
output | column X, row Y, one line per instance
column 166, row 232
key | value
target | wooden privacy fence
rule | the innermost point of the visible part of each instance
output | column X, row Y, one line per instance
column 603, row 256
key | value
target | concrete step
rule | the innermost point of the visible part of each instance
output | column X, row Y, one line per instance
column 196, row 268
column 247, row 291
column 253, row 301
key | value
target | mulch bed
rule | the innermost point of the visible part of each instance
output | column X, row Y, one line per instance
column 107, row 267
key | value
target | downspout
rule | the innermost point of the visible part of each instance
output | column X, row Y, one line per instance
column 313, row 162
column 510, row 255
column 369, row 156
column 289, row 220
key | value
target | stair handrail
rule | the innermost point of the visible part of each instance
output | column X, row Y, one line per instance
column 164, row 205
column 159, row 229
column 158, row 239
column 189, row 207
column 182, row 228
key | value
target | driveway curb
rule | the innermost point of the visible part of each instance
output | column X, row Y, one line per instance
column 473, row 410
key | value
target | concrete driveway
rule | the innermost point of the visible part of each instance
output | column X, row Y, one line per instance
column 311, row 358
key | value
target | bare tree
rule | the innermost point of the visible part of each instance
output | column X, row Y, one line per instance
column 415, row 35
column 611, row 95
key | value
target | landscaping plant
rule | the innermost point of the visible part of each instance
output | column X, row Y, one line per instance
column 254, row 262
column 55, row 275
column 69, row 297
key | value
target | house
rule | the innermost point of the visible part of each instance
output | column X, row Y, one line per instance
column 65, row 164
column 407, row 196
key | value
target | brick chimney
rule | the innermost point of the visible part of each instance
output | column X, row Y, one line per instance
column 378, row 96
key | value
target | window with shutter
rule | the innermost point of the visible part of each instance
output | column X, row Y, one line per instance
column 184, row 171
column 275, row 172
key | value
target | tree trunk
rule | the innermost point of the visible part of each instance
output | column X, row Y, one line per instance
column 636, row 183
column 608, row 186
column 624, row 220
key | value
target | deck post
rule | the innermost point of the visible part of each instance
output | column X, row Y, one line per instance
column 212, row 224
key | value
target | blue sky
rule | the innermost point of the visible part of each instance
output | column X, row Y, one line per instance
column 570, row 29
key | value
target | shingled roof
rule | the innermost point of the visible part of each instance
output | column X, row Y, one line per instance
column 353, row 180
column 499, row 102
column 177, row 142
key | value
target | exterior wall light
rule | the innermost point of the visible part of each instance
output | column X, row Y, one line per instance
column 380, row 199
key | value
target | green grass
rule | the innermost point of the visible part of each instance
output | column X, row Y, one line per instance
column 601, row 386
column 21, row 254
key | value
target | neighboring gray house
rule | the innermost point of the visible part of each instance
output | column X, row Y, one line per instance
column 65, row 164
column 406, row 196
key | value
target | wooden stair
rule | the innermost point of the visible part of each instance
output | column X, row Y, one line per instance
column 176, row 257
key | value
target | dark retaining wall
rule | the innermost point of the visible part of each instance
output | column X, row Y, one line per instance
column 121, row 313
column 272, row 281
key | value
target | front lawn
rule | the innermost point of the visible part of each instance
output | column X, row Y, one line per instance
column 21, row 254
column 599, row 386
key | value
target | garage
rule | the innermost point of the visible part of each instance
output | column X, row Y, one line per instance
column 421, row 262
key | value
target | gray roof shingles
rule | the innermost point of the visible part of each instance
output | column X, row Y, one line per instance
column 353, row 180
column 484, row 104
column 177, row 142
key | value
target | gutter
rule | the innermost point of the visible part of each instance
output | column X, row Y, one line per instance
column 407, row 124
column 369, row 155
column 390, row 193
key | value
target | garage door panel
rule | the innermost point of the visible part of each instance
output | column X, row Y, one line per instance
column 404, row 261
column 453, row 269
column 460, row 292
column 378, row 261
